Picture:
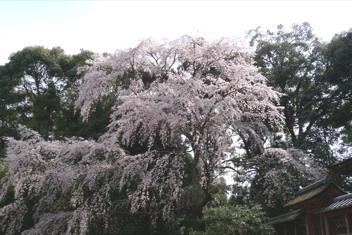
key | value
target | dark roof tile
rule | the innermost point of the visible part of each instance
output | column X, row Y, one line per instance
column 285, row 217
column 339, row 202
column 312, row 186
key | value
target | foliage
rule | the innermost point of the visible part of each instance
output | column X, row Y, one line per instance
column 279, row 175
column 163, row 121
column 224, row 215
column 177, row 107
column 8, row 100
column 186, row 95
column 314, row 79
column 59, row 187
column 38, row 83
column 69, row 123
column 294, row 63
column 231, row 219
column 339, row 74
column 40, row 78
column 3, row 170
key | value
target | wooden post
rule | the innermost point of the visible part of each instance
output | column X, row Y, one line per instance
column 327, row 226
column 347, row 225
column 309, row 223
column 321, row 224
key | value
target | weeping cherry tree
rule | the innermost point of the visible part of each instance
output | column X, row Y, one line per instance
column 180, row 104
column 185, row 101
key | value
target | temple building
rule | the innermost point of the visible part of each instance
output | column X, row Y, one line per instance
column 321, row 208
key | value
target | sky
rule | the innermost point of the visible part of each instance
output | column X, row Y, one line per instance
column 104, row 26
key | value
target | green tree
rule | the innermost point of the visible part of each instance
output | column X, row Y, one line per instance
column 44, row 82
column 70, row 123
column 295, row 64
column 8, row 108
column 339, row 75
column 41, row 80
column 233, row 219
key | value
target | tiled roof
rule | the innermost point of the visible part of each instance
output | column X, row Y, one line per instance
column 312, row 186
column 285, row 217
column 311, row 192
column 339, row 202
column 306, row 196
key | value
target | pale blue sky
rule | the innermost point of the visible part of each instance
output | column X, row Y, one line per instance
column 103, row 26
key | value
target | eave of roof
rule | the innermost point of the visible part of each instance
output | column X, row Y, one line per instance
column 285, row 217
column 315, row 192
column 340, row 202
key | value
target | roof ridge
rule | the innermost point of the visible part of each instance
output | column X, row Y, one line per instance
column 342, row 197
column 312, row 186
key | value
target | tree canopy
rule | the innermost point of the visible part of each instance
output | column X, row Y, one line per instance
column 171, row 131
column 98, row 143
column 304, row 69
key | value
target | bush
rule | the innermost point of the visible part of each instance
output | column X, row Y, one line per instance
column 229, row 219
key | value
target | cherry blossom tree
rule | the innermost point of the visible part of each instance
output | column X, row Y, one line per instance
column 53, row 187
column 180, row 106
column 185, row 101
